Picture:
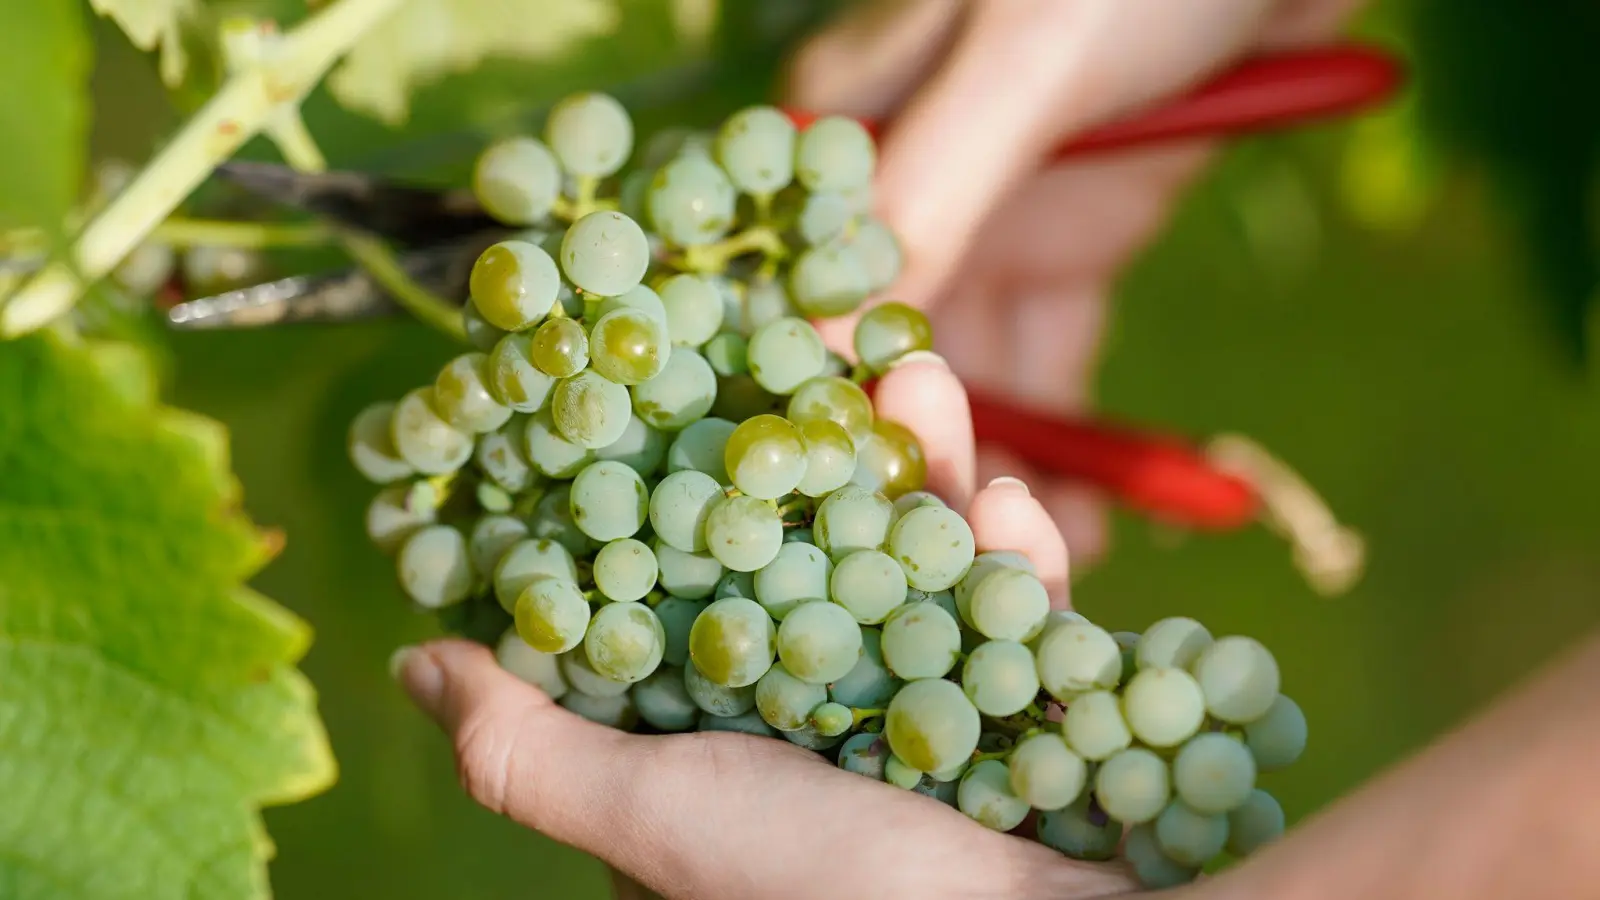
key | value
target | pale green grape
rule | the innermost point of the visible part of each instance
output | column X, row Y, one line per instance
column 889, row 331
column 499, row 456
column 691, row 201
column 703, row 447
column 1253, row 824
column 612, row 711
column 640, row 448
column 835, row 154
column 625, row 641
column 550, row 452
column 999, row 678
column 802, row 535
column 731, row 292
column 728, row 354
column 371, row 445
column 900, row 773
column 870, row 684
column 740, row 398
column 677, row 616
column 756, row 146
column 1154, row 869
column 743, row 533
column 868, row 584
column 785, row 701
column 983, row 565
column 392, row 516
column 835, row 399
column 921, row 641
column 829, row 280
column 765, row 457
column 491, row 498
column 878, row 250
column 824, row 217
column 1189, row 838
column 668, row 143
column 1081, row 831
column 736, row 584
column 692, row 576
column 1010, row 604
column 693, row 309
column 664, row 702
column 784, row 353
column 516, row 180
column 850, row 519
column 514, row 379
column 948, row 793
column 679, row 507
column 542, row 670
column 424, row 439
column 552, row 520
column 514, row 284
column 931, row 725
column 865, row 754
column 1164, row 707
column 1094, row 727
column 798, row 574
column 819, row 642
column 632, row 194
column 935, row 547
column 435, row 570
column 1239, row 678
column 1278, row 738
column 625, row 570
column 526, row 560
column 604, row 253
column 491, row 537
column 585, row 680
column 748, row 723
column 1173, row 643
column 639, row 297
column 480, row 334
column 461, row 395
column 1214, row 773
column 1045, row 772
column 609, row 501
column 559, row 348
column 715, row 699
column 811, row 739
column 1076, row 657
column 907, row 502
column 1133, row 786
column 765, row 300
column 590, row 410
column 679, row 395
column 832, row 719
column 590, row 134
column 733, row 642
column 985, row 796
column 629, row 346
column 1128, row 643
column 890, row 460
column 551, row 614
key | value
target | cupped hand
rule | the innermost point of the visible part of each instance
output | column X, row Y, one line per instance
column 724, row 816
column 1013, row 258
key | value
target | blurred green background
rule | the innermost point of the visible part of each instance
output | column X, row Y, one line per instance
column 1366, row 306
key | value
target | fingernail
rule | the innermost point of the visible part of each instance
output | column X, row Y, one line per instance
column 920, row 356
column 419, row 675
column 1010, row 484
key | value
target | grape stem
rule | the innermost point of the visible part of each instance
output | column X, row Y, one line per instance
column 985, row 757
column 379, row 261
column 713, row 259
column 858, row 716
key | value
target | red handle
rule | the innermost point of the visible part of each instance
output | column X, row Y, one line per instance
column 1260, row 94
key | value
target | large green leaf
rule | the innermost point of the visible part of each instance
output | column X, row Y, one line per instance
column 149, row 700
column 44, row 106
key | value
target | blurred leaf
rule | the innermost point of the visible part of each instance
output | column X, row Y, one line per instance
column 154, row 25
column 149, row 701
column 44, row 110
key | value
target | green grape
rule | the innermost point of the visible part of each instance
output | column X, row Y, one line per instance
column 1189, row 838
column 703, row 447
column 850, row 519
column 900, row 773
column 491, row 498
column 810, row 738
column 878, row 250
column 887, row 332
column 931, row 725
column 1253, row 824
column 748, row 723
column 590, row 410
column 1153, row 868
column 679, row 507
column 797, row 575
column 613, row 711
column 935, row 547
column 829, row 280
column 914, row 500
column 715, row 699
column 625, row 570
column 560, row 347
column 590, row 133
column 669, row 143
column 526, row 560
column 736, row 584
column 728, row 354
column 832, row 719
column 480, row 334
column 629, row 346
column 1214, row 773
column 1094, row 727
column 516, row 180
column 680, row 394
column 1163, row 707
column 1076, row 657
column 639, row 297
column 983, row 565
column 1128, row 643
column 542, row 670
column 677, row 616
column 955, row 772
column 692, row 576
column 499, row 456
column 691, row 201
column 1278, row 738
column 921, row 641
column 756, row 146
column 890, row 460
column 664, row 702
column 869, row 684
column 693, row 309
column 435, row 570
column 948, row 793
column 1239, row 678
column 625, row 641
column 550, row 452
column 1174, row 643
column 765, row 300
column 491, row 537
column 784, row 353
column 424, row 439
column 733, row 642
column 551, row 614
column 462, row 397
column 640, row 448
column 552, row 520
column 1045, row 772
column 392, row 517
column 765, row 457
column 985, row 796
column 868, row 584
column 832, row 399
column 824, row 217
column 801, row 535
column 1133, row 786
column 999, row 678
column 946, row 601
column 819, row 642
column 371, row 445
column 584, row 679
column 865, row 754
column 514, row 284
column 835, row 154
column 1010, row 604
column 609, row 501
column 632, row 194
column 786, row 702
column 740, row 398
column 731, row 292
column 1081, row 831
column 514, row 379
column 604, row 253
column 743, row 533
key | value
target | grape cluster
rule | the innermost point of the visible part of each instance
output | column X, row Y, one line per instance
column 675, row 509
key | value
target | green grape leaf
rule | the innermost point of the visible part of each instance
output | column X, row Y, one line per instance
column 425, row 40
column 154, row 25
column 44, row 111
column 149, row 700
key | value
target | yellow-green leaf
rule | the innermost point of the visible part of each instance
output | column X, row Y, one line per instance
column 44, row 111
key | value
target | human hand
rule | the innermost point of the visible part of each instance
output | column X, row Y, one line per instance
column 722, row 816
column 1014, row 260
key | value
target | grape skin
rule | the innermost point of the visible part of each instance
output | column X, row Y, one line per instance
column 819, row 642
column 1239, row 678
column 371, row 445
column 797, row 575
column 1278, row 738
column 999, row 678
column 931, row 725
column 1214, row 773
column 733, row 642
column 625, row 641
column 1133, row 786
column 434, row 568
column 1164, row 707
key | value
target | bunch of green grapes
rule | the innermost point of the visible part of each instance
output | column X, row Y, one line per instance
column 673, row 508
